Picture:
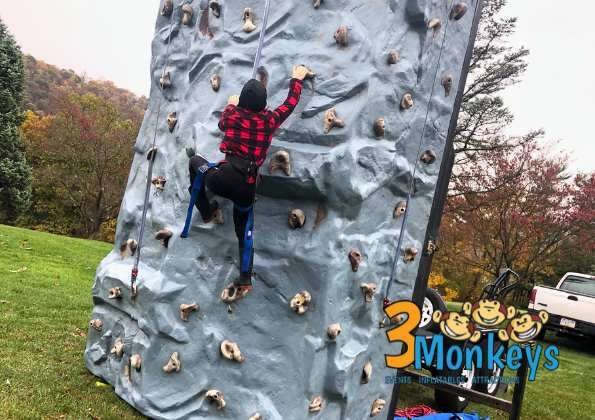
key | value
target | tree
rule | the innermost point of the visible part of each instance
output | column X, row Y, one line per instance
column 14, row 172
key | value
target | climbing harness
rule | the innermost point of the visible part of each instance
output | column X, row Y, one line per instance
column 248, row 238
column 196, row 187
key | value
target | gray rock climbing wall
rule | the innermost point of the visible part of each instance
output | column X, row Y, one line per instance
column 348, row 183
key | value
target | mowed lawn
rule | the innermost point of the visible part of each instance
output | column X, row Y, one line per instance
column 45, row 304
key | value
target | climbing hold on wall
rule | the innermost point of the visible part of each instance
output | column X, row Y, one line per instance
column 368, row 290
column 341, row 36
column 118, row 348
column 186, row 308
column 159, row 183
column 316, row 404
column 231, row 351
column 400, row 209
column 377, row 407
column 333, row 331
column 428, row 157
column 393, row 57
column 172, row 120
column 446, row 83
column 366, row 373
column 187, row 12
column 136, row 362
column 173, row 364
column 96, row 324
column 152, row 153
column 114, row 293
column 165, row 81
column 128, row 248
column 331, row 120
column 317, row 3
column 458, row 11
column 296, row 219
column 168, row 8
column 435, row 24
column 355, row 258
column 407, row 101
column 248, row 18
column 216, row 82
column 379, row 127
column 280, row 160
column 431, row 248
column 164, row 235
column 263, row 76
column 299, row 303
column 409, row 254
column 233, row 293
column 256, row 416
column 214, row 396
column 215, row 7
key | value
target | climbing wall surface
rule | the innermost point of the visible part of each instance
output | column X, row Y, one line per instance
column 399, row 61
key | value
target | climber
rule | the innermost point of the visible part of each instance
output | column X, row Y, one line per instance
column 248, row 128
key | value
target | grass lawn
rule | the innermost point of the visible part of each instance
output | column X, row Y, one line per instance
column 45, row 304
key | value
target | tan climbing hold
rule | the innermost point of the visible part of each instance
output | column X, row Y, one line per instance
column 136, row 362
column 300, row 302
column 159, row 183
column 172, row 120
column 186, row 309
column 400, row 209
column 368, row 290
column 174, row 364
column 435, row 24
column 446, row 83
column 164, row 235
column 331, row 120
column 280, row 160
column 316, row 404
column 128, row 248
column 409, row 254
column 114, row 293
column 355, row 258
column 341, row 36
column 379, row 127
column 214, row 396
column 256, row 416
column 296, row 219
column 187, row 12
column 428, row 157
column 96, row 324
column 165, row 81
column 366, row 373
column 232, row 293
column 248, row 19
column 215, row 8
column 393, row 57
column 406, row 101
column 333, row 331
column 231, row 351
column 118, row 348
column 317, row 3
column 216, row 82
column 377, row 407
column 168, row 8
column 458, row 11
column 263, row 76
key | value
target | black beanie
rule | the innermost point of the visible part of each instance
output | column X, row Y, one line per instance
column 253, row 96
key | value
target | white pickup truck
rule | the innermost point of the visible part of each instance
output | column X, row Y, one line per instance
column 571, row 304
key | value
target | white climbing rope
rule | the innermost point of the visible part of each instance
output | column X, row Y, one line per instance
column 261, row 38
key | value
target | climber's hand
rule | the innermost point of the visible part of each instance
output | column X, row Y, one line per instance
column 234, row 100
column 301, row 72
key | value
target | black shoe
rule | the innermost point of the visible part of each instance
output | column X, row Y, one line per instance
column 244, row 280
column 214, row 209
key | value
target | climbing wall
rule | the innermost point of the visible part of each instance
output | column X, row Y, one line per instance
column 375, row 117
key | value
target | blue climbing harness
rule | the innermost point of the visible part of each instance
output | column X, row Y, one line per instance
column 196, row 187
column 248, row 238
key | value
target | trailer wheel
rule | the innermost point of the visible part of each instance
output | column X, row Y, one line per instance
column 495, row 373
column 432, row 302
column 451, row 402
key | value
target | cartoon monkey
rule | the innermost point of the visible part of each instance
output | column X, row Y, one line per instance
column 457, row 326
column 524, row 327
column 490, row 313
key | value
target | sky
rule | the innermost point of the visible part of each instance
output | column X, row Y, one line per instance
column 111, row 40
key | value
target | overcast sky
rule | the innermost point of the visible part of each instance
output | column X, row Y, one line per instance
column 111, row 39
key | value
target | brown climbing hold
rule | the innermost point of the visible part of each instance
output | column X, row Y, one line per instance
column 164, row 236
column 263, row 76
column 165, row 81
column 393, row 57
column 407, row 101
column 446, row 83
column 256, row 416
column 214, row 396
column 435, row 24
column 118, row 348
column 280, row 160
column 317, row 3
column 299, row 303
column 400, row 209
column 316, row 404
column 96, row 324
column 187, row 12
column 428, row 157
column 168, row 8
column 172, row 120
column 216, row 82
column 333, row 331
column 341, row 36
column 296, row 219
column 377, row 407
column 128, row 248
column 368, row 290
column 458, row 11
column 136, row 362
column 173, row 364
column 186, row 308
column 366, row 373
column 355, row 258
column 248, row 18
column 159, row 183
column 114, row 293
column 409, row 254
column 379, row 127
column 231, row 351
column 215, row 8
column 331, row 120
column 232, row 293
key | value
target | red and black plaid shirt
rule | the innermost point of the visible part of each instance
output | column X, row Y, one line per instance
column 249, row 134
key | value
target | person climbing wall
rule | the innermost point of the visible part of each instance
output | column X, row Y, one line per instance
column 248, row 128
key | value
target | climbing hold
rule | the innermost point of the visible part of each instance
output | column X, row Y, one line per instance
column 428, row 157
column 400, row 209
column 315, row 404
column 248, row 18
column 458, row 11
column 379, row 127
column 333, row 331
column 233, row 293
column 168, row 8
column 299, row 303
column 187, row 12
column 164, row 235
column 215, row 396
column 280, row 160
column 409, row 254
column 215, row 7
column 186, row 308
column 231, row 351
column 118, row 348
column 407, row 101
column 355, row 258
column 435, row 24
column 377, row 407
column 256, row 416
column 96, row 324
column 393, row 57
column 317, row 3
column 216, row 82
column 128, row 248
column 152, row 153
column 447, row 84
column 172, row 120
column 174, row 364
column 136, row 362
column 165, row 81
column 159, row 183
column 366, row 373
column 331, row 120
column 115, row 293
column 431, row 248
column 263, row 76
column 368, row 289
column 341, row 36
column 296, row 219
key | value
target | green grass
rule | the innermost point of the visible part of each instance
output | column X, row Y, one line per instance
column 45, row 305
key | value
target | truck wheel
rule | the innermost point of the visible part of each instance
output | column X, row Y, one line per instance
column 432, row 302
column 451, row 402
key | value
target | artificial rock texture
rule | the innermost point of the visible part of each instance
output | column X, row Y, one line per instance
column 350, row 178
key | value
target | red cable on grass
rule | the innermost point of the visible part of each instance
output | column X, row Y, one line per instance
column 412, row 412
